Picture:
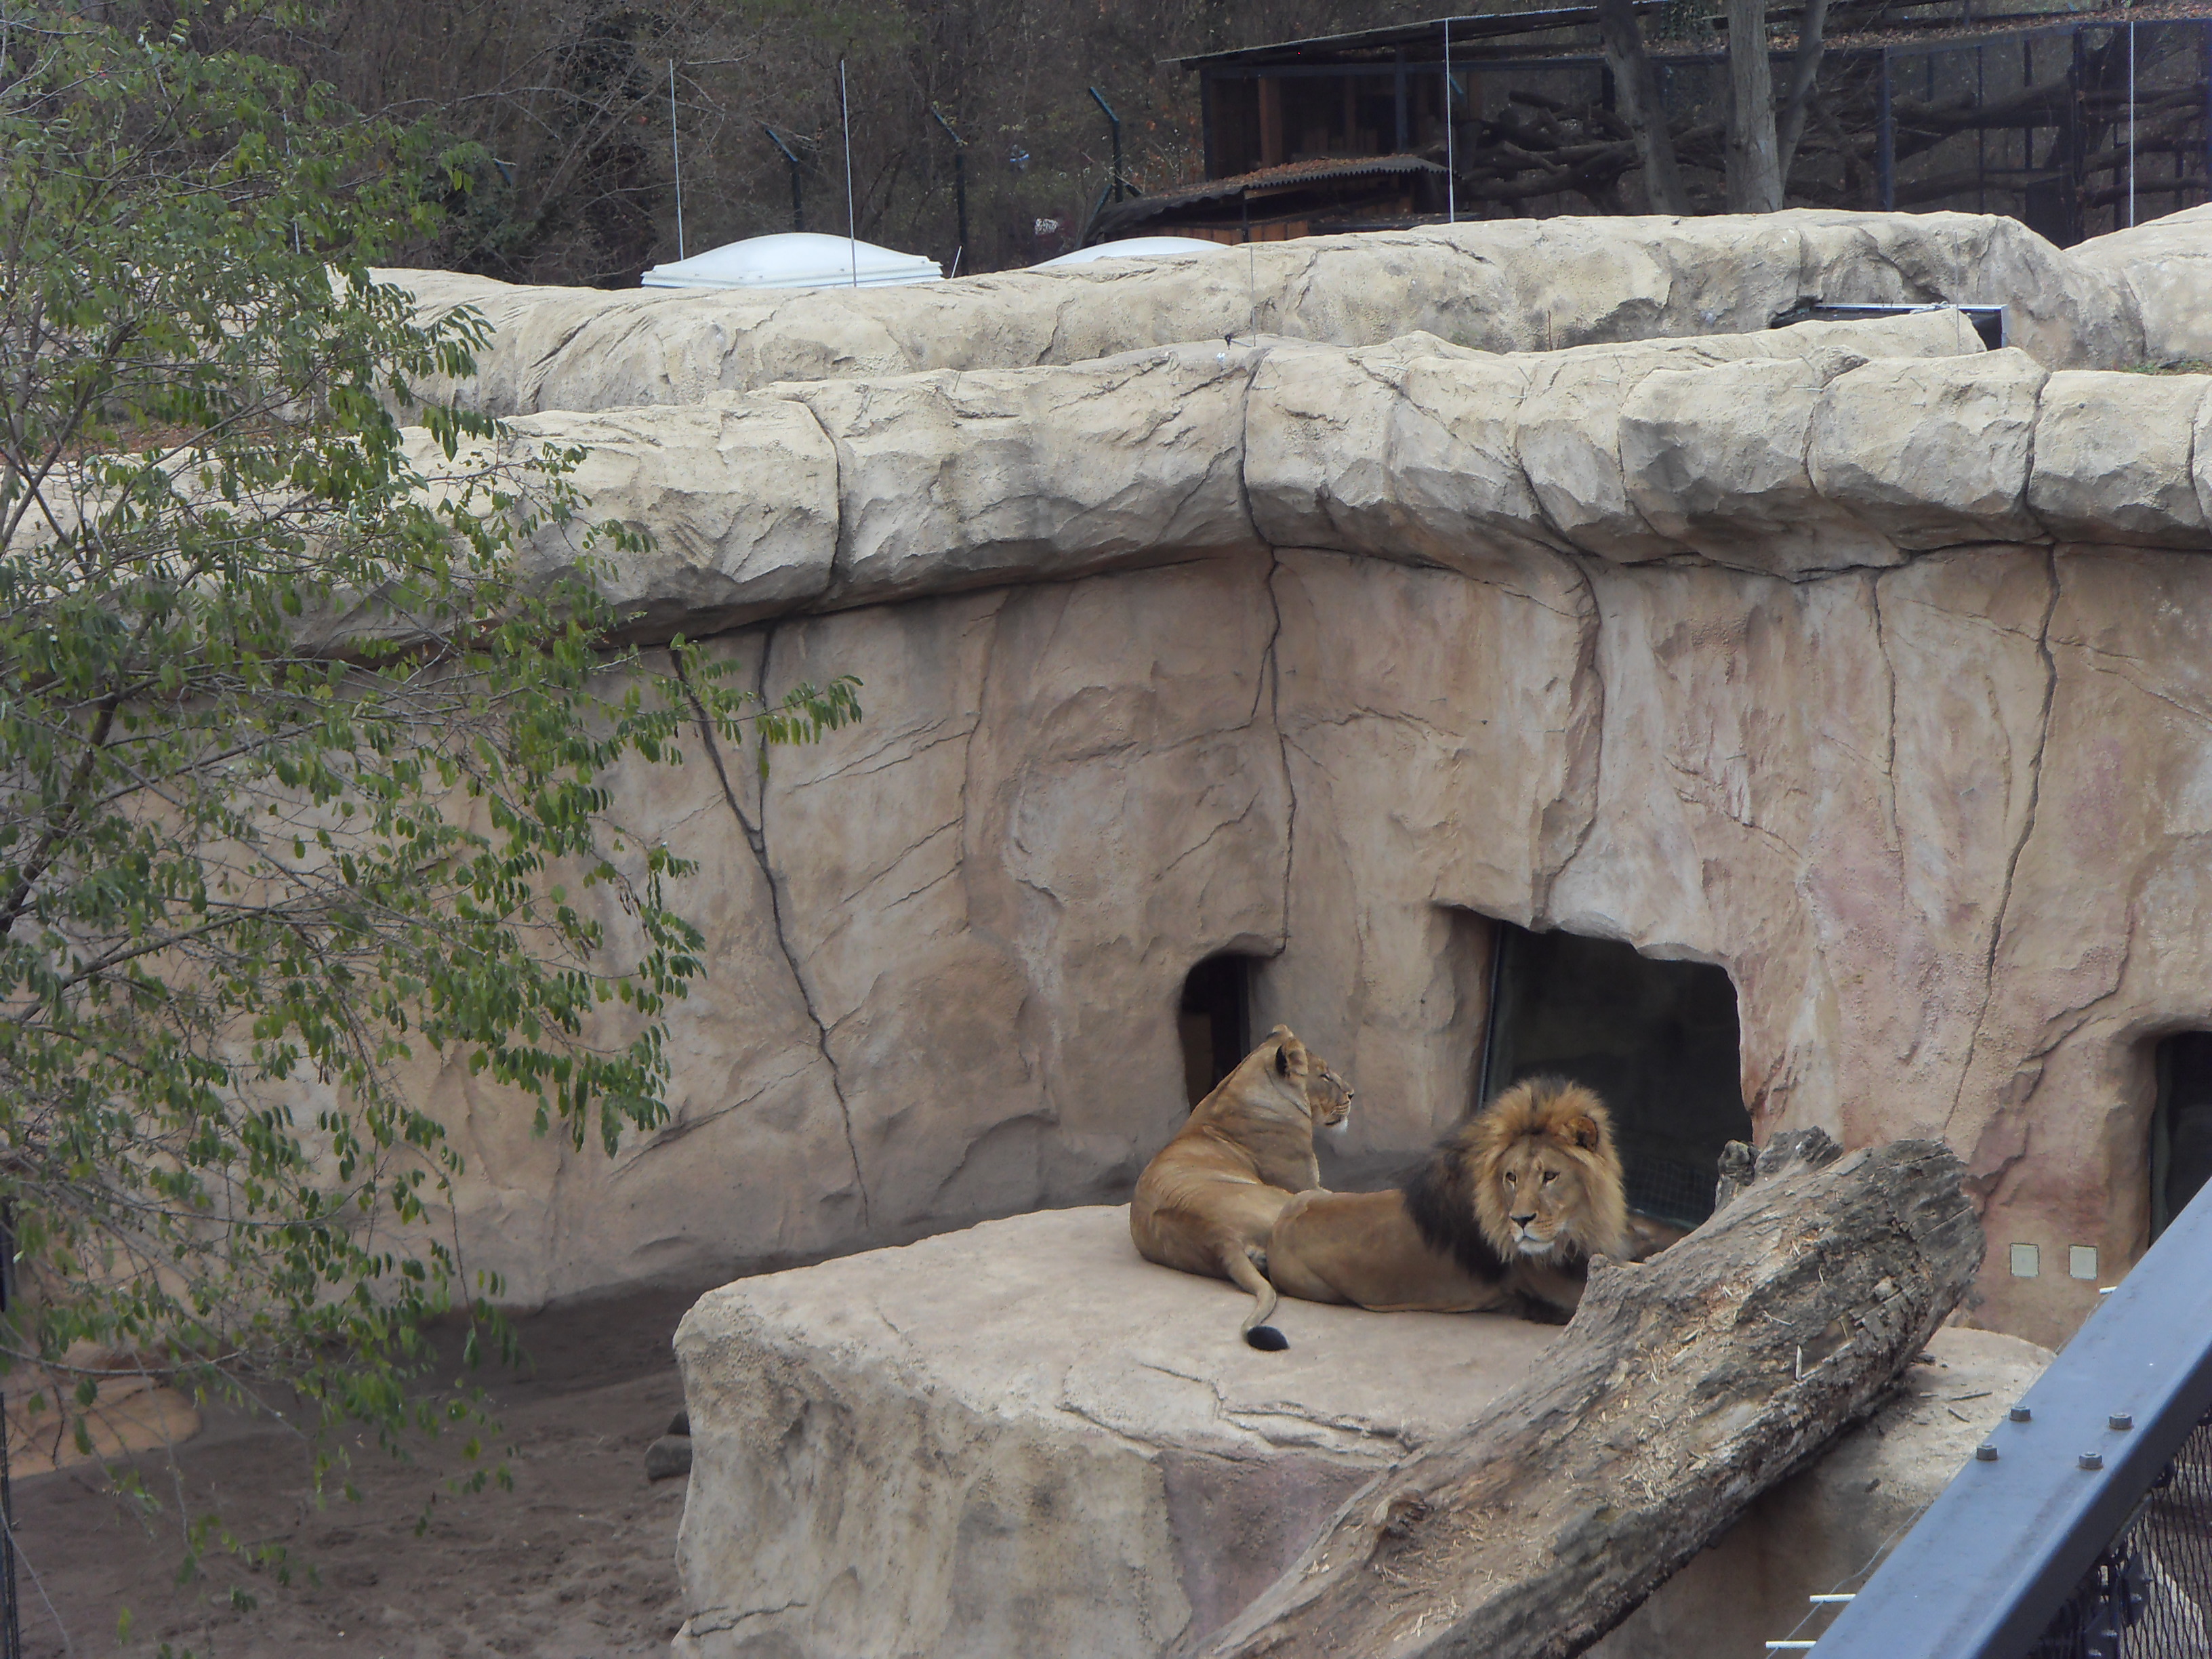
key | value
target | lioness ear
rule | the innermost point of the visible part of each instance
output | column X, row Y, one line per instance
column 1582, row 1132
column 1283, row 1059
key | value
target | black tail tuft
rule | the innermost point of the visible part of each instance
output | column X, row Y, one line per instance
column 1267, row 1339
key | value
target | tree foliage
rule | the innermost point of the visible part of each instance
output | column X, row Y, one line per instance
column 303, row 792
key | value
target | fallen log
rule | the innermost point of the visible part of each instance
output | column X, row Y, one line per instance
column 1683, row 1388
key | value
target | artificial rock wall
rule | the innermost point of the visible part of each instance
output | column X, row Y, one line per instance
column 1861, row 661
column 1510, row 285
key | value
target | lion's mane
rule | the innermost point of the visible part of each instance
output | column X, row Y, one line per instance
column 1461, row 1178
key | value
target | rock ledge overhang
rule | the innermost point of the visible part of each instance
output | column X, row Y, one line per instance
column 1794, row 452
column 1520, row 285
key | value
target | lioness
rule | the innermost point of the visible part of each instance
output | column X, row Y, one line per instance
column 1506, row 1210
column 1206, row 1203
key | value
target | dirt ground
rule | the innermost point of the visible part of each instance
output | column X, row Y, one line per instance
column 576, row 1562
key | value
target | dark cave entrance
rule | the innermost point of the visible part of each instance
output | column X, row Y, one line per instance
column 1214, row 1020
column 2181, row 1125
column 1657, row 1040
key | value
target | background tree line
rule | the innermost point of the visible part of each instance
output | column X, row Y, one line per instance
column 574, row 105
column 570, row 101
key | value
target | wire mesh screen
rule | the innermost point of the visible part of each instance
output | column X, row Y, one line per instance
column 1666, row 1189
column 2078, row 128
column 2149, row 1594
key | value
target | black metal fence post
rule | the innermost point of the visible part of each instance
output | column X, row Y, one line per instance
column 1405, row 129
column 11, row 1615
column 1885, row 160
column 2077, row 148
column 798, row 202
column 959, row 184
column 1981, row 133
column 1114, row 122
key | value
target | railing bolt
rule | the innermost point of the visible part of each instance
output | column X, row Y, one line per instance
column 2121, row 1420
column 2091, row 1459
column 1986, row 1452
column 2021, row 1414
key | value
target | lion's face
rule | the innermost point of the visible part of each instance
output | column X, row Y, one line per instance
column 1541, row 1192
column 1328, row 1097
column 1309, row 1083
column 1545, row 1175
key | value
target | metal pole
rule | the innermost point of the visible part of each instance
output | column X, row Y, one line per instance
column 1451, row 170
column 959, row 184
column 798, row 204
column 2131, row 122
column 1114, row 122
column 1403, row 138
column 1205, row 123
column 675, row 158
column 2077, row 146
column 1885, row 145
column 852, row 222
column 11, row 1619
column 1501, row 936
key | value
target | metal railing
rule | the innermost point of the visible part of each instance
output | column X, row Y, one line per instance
column 2082, row 1527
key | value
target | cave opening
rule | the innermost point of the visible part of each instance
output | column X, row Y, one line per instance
column 1658, row 1040
column 2181, row 1125
column 1214, row 1020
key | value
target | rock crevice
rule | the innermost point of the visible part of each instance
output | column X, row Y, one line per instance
column 756, row 839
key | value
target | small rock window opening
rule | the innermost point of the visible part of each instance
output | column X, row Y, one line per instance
column 2181, row 1125
column 1214, row 1020
column 1656, row 1040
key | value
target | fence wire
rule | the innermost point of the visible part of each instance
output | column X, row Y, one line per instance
column 2149, row 1594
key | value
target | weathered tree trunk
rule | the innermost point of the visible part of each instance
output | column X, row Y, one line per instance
column 1804, row 69
column 1754, row 151
column 1636, row 98
column 1683, row 1388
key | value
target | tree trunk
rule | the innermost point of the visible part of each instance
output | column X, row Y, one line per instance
column 1803, row 68
column 1637, row 101
column 1754, row 154
column 1682, row 1389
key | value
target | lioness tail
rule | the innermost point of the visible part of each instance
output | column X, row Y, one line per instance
column 1257, row 1332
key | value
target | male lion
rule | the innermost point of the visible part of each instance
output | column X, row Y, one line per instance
column 1205, row 1204
column 1504, row 1212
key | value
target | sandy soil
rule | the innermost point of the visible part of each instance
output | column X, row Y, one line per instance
column 577, row 1562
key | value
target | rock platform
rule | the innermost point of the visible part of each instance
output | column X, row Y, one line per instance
column 1022, row 1439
